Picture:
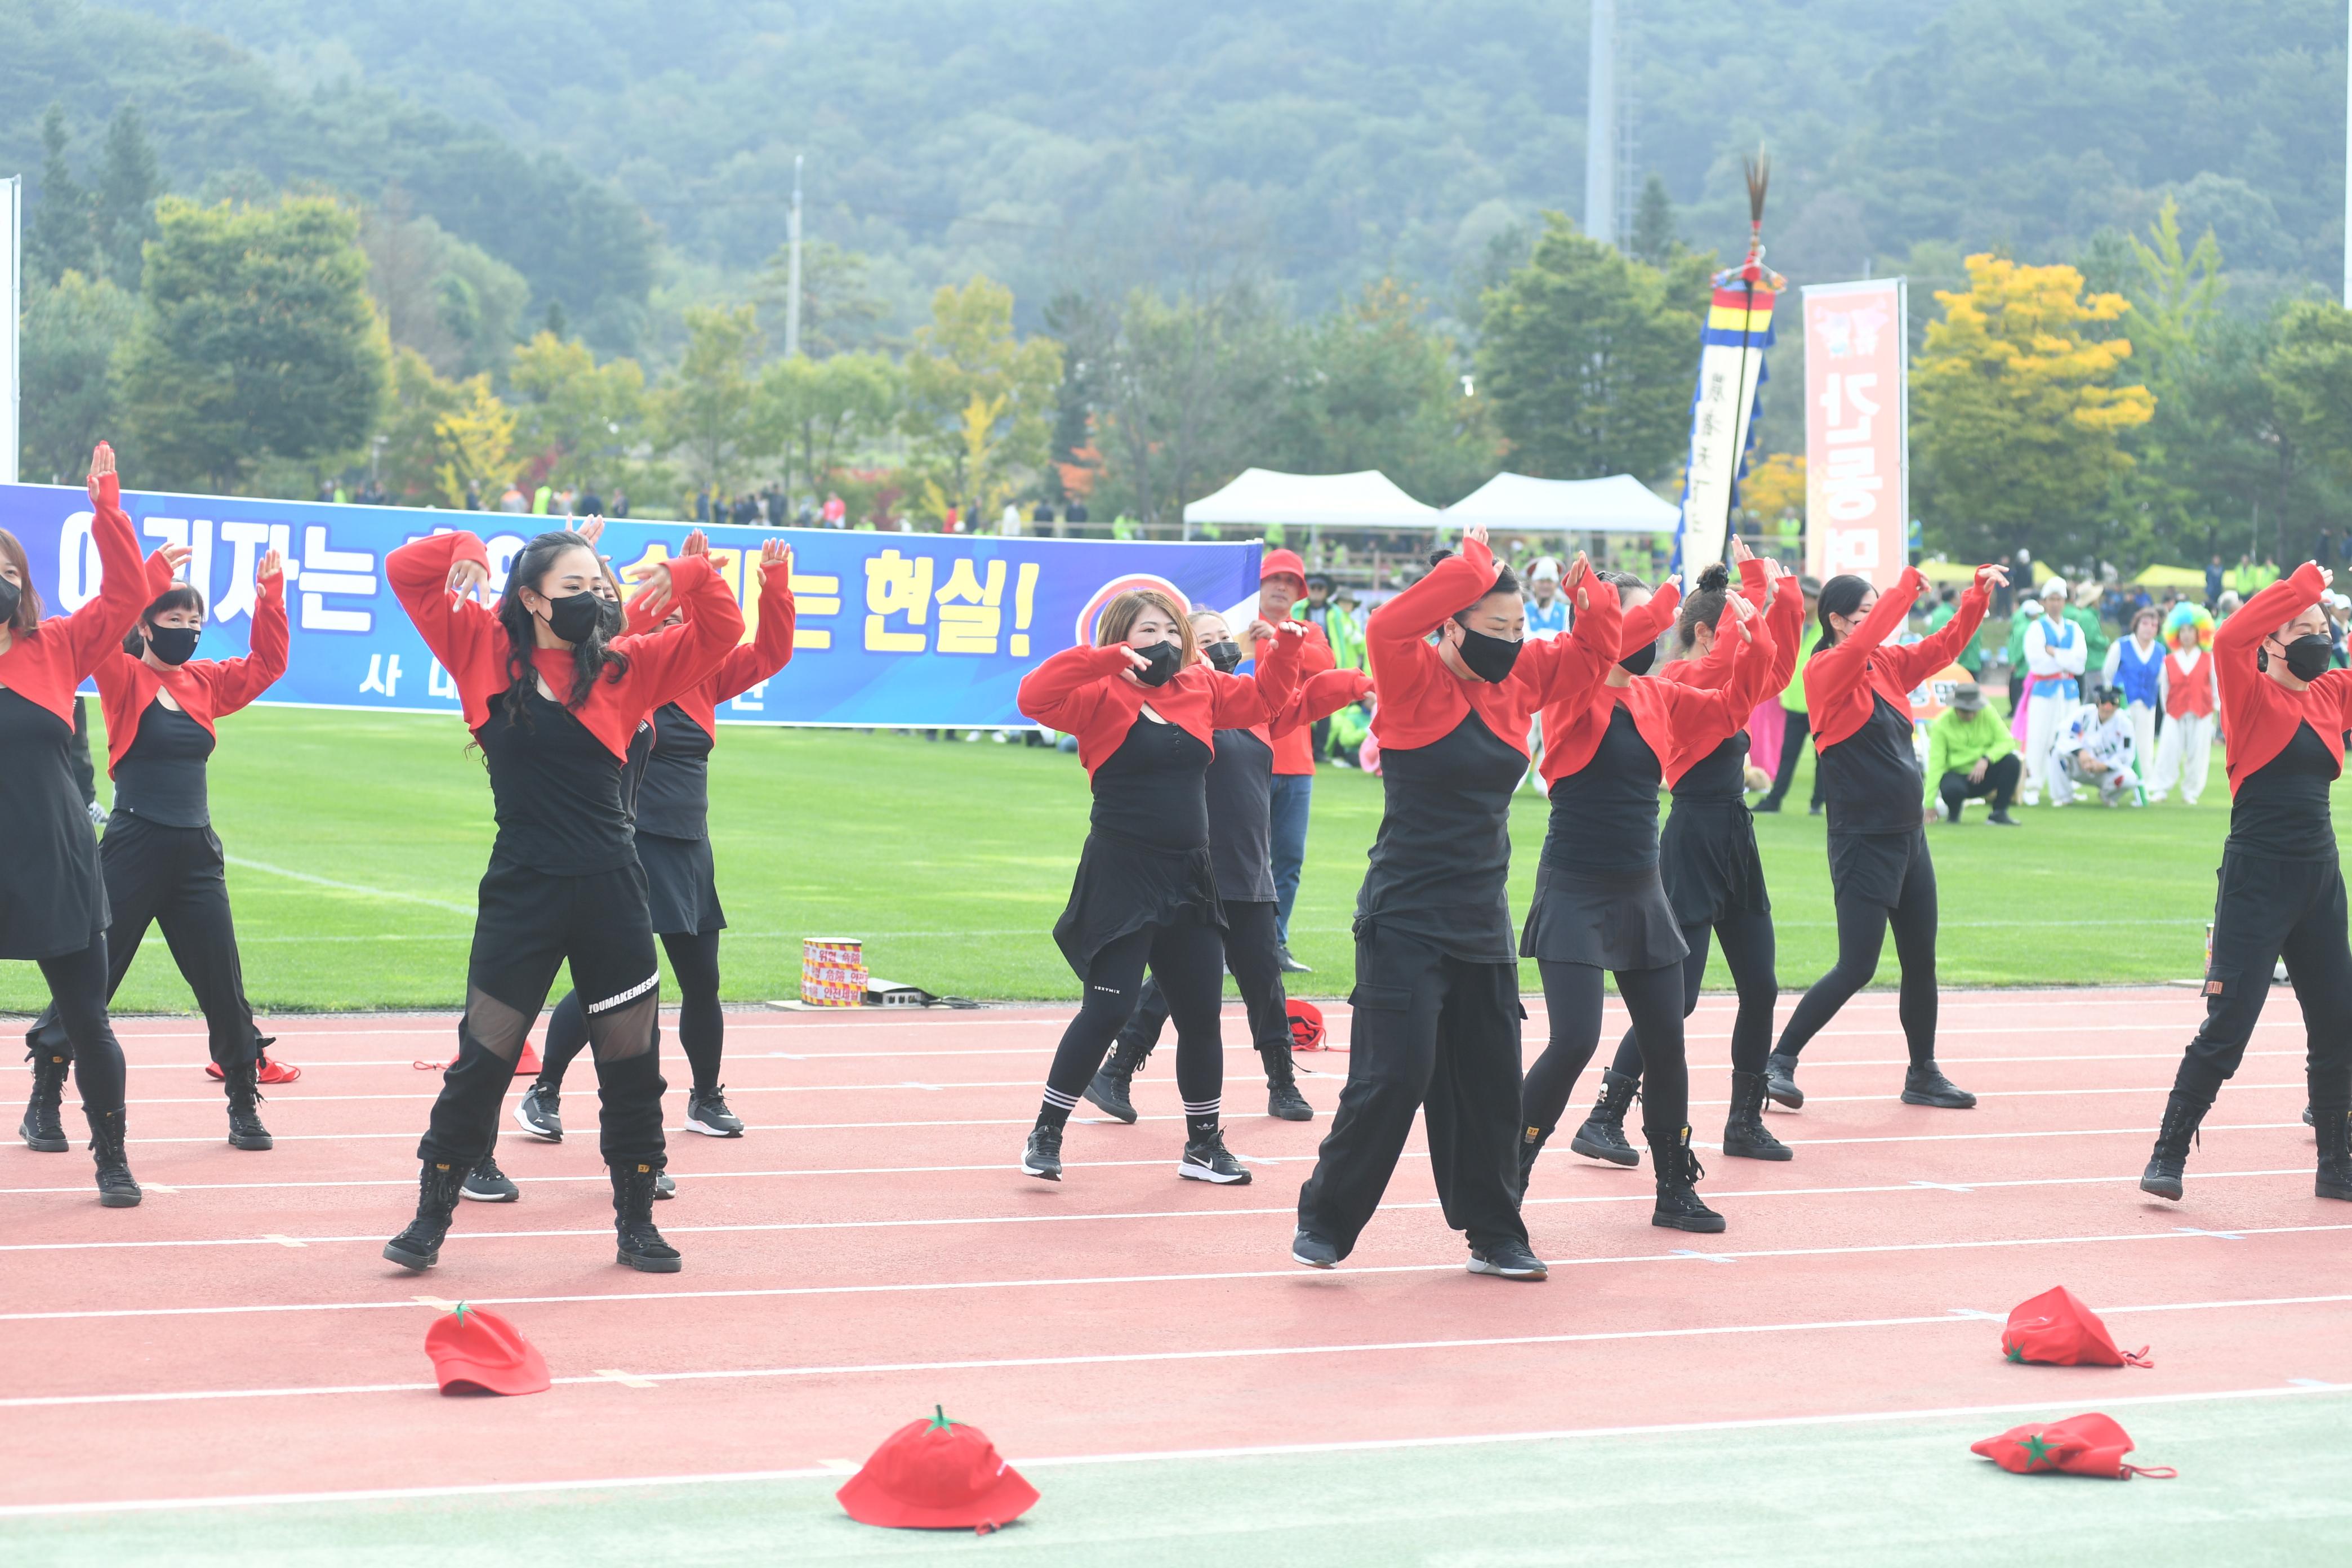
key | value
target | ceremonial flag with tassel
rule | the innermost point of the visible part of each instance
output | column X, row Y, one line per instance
column 1737, row 332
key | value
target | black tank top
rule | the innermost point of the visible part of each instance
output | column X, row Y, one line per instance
column 162, row 777
column 1604, row 816
column 675, row 800
column 2281, row 808
column 557, row 791
column 1870, row 779
column 1442, row 860
column 1241, row 790
column 1154, row 788
column 1720, row 775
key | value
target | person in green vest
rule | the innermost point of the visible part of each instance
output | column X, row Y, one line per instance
column 540, row 498
column 1798, row 725
column 1122, row 527
column 1948, row 605
column 2083, row 614
column 1970, row 756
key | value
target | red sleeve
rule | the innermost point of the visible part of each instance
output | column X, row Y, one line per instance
column 2267, row 611
column 1402, row 663
column 1064, row 691
column 1236, row 702
column 1565, row 668
column 1915, row 663
column 1787, row 615
column 1836, row 670
column 463, row 634
column 1319, row 695
column 1646, row 622
column 677, row 659
column 98, row 628
column 770, row 647
column 159, row 576
column 237, row 681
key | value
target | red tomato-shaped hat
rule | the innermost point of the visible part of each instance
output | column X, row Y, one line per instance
column 1305, row 1026
column 937, row 1474
column 2055, row 1327
column 2086, row 1446
column 474, row 1349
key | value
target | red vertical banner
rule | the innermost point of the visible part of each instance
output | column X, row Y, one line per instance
column 1857, row 430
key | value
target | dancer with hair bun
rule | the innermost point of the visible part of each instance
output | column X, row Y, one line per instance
column 1858, row 686
column 1146, row 710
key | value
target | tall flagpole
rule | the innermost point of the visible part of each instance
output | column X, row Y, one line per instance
column 793, row 282
column 12, row 270
column 1600, row 126
column 2348, row 160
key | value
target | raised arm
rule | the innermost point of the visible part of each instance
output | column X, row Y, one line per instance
column 1714, row 714
column 1318, row 696
column 1068, row 688
column 679, row 659
column 98, row 628
column 1646, row 622
column 1565, row 668
column 2267, row 611
column 1917, row 662
column 237, row 681
column 1839, row 667
column 770, row 647
column 1453, row 585
column 462, row 632
column 1237, row 701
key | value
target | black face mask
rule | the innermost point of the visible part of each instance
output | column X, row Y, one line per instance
column 615, row 619
column 576, row 617
column 1489, row 658
column 1638, row 662
column 1166, row 659
column 10, row 597
column 2308, row 657
column 1225, row 654
column 174, row 645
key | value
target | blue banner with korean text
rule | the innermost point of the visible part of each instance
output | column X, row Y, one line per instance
column 895, row 630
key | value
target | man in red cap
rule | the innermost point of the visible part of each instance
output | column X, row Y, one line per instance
column 1282, row 583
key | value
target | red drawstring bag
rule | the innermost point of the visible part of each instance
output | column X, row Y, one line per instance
column 2086, row 1446
column 1305, row 1026
column 2057, row 1329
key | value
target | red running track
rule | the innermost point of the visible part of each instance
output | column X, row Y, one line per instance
column 869, row 1250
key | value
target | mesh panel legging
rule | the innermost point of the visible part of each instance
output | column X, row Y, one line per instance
column 1189, row 957
column 1862, row 925
column 1747, row 940
column 1572, row 997
column 701, row 1022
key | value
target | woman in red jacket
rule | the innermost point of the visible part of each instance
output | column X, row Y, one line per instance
column 673, row 836
column 1146, row 710
column 1714, row 877
column 161, row 859
column 1858, row 688
column 1240, row 791
column 2284, row 713
column 1437, row 979
column 1601, row 908
column 554, row 704
column 53, row 909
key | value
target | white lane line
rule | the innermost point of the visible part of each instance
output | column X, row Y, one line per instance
column 832, row 1469
column 239, row 860
column 1134, row 1358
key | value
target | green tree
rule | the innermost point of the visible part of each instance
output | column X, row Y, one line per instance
column 69, row 333
column 2016, row 419
column 1585, row 358
column 706, row 410
column 254, row 338
column 60, row 238
column 2309, row 374
column 452, row 302
column 811, row 410
column 1653, row 238
column 123, row 214
column 573, row 413
column 1187, row 386
column 980, row 402
column 413, row 445
column 839, row 309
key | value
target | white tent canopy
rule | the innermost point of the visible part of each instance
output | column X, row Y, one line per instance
column 1366, row 500
column 1618, row 504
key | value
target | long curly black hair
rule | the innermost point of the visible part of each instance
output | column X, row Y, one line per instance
column 592, row 656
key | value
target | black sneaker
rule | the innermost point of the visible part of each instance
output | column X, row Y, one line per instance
column 1207, row 1160
column 708, row 1114
column 1288, row 964
column 1313, row 1252
column 664, row 1187
column 2003, row 819
column 1042, row 1155
column 536, row 1114
column 1507, row 1260
column 1926, row 1085
column 486, row 1184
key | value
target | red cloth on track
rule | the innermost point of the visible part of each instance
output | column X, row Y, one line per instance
column 2090, row 1445
column 2057, row 1329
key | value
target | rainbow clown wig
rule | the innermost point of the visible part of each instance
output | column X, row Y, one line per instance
column 2186, row 614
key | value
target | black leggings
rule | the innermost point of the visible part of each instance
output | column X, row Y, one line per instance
column 1572, row 997
column 2268, row 910
column 1862, row 924
column 1749, row 947
column 1189, row 957
column 1251, row 939
column 530, row 924
column 701, row 1022
column 77, row 991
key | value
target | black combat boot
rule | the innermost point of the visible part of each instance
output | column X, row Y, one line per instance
column 642, row 1246
column 1110, row 1088
column 1282, row 1097
column 1602, row 1136
column 1745, row 1136
column 1678, row 1171
column 116, row 1190
column 41, row 1128
column 245, row 1128
column 2182, row 1115
column 419, row 1246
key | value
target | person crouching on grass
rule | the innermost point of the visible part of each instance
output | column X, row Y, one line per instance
column 1146, row 710
column 2283, row 712
column 1971, row 755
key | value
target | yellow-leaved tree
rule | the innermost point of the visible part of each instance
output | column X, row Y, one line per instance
column 477, row 440
column 979, row 405
column 2016, row 415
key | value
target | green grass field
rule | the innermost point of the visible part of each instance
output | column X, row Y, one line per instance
column 356, row 841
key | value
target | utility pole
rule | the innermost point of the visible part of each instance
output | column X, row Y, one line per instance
column 12, row 268
column 1600, row 126
column 2348, row 164
column 792, row 297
